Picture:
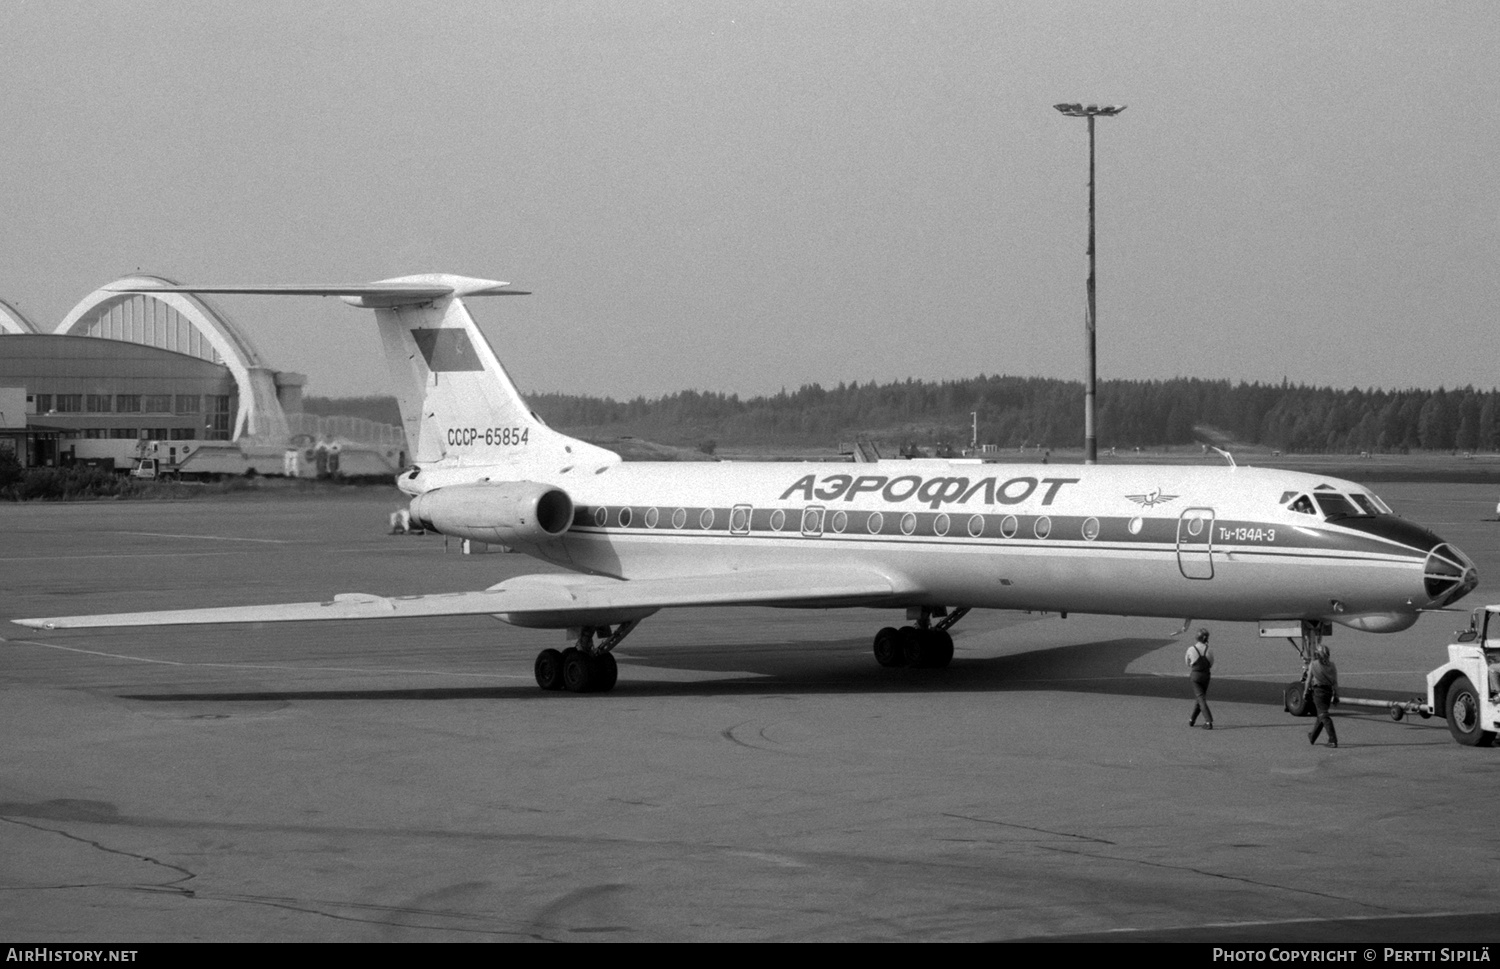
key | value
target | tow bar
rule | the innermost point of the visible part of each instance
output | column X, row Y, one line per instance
column 1396, row 708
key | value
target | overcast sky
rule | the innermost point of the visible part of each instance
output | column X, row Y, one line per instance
column 744, row 196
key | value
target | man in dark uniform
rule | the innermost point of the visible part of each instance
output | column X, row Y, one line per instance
column 1200, row 663
column 1324, row 678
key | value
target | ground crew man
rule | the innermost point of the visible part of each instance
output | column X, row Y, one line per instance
column 1323, row 676
column 1200, row 662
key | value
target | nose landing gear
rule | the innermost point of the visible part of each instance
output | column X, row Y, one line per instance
column 923, row 646
column 1297, row 697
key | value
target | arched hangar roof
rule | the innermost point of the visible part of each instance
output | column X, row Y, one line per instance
column 13, row 320
column 184, row 323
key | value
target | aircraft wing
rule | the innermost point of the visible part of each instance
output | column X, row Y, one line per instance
column 546, row 600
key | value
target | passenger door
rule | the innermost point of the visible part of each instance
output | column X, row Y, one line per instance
column 1195, row 543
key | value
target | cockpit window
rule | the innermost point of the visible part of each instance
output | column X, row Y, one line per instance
column 1331, row 504
column 1336, row 506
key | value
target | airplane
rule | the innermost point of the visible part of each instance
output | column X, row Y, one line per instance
column 1291, row 551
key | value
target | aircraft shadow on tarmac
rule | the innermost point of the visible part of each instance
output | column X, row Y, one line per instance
column 841, row 667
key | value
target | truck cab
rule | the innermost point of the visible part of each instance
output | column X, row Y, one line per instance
column 1464, row 689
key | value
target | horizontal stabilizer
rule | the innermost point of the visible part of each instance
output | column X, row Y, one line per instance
column 554, row 596
column 390, row 292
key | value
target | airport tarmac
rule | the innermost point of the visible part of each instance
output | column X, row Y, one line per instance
column 754, row 776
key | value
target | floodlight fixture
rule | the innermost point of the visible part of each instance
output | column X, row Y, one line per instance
column 1087, row 110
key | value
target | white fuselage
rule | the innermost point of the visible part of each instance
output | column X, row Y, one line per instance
column 1201, row 542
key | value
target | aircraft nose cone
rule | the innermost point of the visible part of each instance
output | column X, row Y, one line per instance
column 1448, row 575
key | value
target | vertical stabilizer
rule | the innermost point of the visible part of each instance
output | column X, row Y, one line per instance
column 458, row 403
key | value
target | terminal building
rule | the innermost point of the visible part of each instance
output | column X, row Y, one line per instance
column 125, row 369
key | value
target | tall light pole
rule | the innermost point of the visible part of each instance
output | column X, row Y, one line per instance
column 1090, row 436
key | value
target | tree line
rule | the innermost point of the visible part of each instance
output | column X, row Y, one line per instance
column 1018, row 412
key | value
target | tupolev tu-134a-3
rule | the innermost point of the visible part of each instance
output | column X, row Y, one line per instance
column 932, row 538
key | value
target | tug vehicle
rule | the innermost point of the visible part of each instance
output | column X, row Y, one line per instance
column 1464, row 688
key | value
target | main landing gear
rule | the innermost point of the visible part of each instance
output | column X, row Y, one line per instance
column 587, row 667
column 923, row 646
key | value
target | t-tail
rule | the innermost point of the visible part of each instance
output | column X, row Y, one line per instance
column 459, row 407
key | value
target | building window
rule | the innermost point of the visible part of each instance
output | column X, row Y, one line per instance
column 98, row 403
column 123, row 433
column 157, row 404
column 189, row 404
column 95, row 433
column 218, row 427
column 128, row 403
column 43, row 403
column 156, row 433
column 184, row 434
column 69, row 403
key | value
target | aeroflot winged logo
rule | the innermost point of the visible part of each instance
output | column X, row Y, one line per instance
column 1151, row 499
column 934, row 492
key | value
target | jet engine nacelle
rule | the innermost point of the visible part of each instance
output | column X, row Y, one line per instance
column 501, row 512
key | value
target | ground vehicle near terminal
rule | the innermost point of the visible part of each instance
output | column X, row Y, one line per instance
column 215, row 460
column 184, row 459
column 207, row 460
column 933, row 538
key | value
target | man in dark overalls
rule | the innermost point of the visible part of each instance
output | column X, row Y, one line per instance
column 1324, row 679
column 1200, row 663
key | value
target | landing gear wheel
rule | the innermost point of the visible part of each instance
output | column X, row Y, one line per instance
column 1464, row 721
column 1297, row 701
column 606, row 672
column 578, row 672
column 939, row 650
column 549, row 669
column 911, row 640
column 1397, row 714
column 888, row 648
column 927, row 649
